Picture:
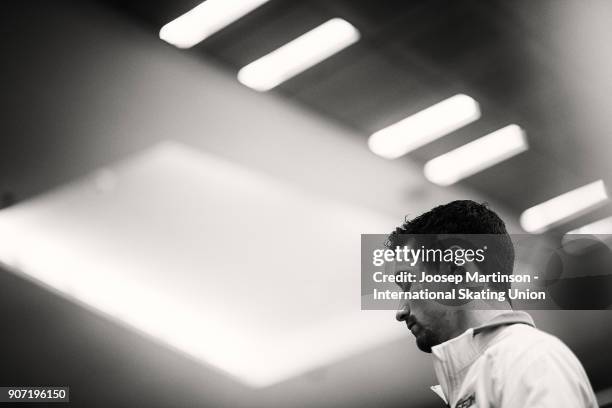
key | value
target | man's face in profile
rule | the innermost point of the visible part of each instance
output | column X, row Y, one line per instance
column 429, row 321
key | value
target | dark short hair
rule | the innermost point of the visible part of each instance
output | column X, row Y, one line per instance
column 463, row 217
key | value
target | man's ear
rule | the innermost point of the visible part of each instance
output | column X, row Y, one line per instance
column 458, row 269
column 454, row 268
column 463, row 269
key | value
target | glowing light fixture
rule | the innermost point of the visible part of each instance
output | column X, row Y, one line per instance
column 598, row 231
column 204, row 20
column 564, row 207
column 424, row 127
column 603, row 226
column 298, row 55
column 476, row 156
column 206, row 274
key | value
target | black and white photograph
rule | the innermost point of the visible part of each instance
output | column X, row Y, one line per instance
column 306, row 203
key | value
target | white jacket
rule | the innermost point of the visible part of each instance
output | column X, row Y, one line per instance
column 508, row 363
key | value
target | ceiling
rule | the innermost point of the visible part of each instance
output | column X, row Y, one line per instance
column 525, row 62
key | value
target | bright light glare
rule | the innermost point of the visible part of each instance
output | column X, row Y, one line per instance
column 232, row 307
column 601, row 227
column 204, row 20
column 598, row 231
column 476, row 156
column 566, row 206
column 424, row 127
column 298, row 55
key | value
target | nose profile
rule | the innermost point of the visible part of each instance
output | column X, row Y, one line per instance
column 403, row 312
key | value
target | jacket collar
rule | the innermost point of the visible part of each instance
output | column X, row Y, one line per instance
column 511, row 317
column 452, row 357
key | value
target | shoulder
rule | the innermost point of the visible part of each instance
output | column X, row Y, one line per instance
column 531, row 367
column 522, row 356
column 519, row 345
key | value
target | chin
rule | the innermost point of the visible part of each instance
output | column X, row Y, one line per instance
column 426, row 339
column 423, row 345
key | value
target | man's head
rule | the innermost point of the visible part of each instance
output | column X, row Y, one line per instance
column 432, row 322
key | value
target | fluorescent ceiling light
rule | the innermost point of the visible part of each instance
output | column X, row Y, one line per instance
column 564, row 207
column 476, row 156
column 298, row 55
column 601, row 227
column 424, row 127
column 204, row 20
column 250, row 289
column 598, row 231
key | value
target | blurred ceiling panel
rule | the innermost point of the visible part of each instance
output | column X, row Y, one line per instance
column 295, row 305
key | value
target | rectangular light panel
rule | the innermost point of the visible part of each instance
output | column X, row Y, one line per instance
column 204, row 20
column 476, row 156
column 298, row 55
column 600, row 230
column 600, row 227
column 243, row 272
column 424, row 127
column 564, row 207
